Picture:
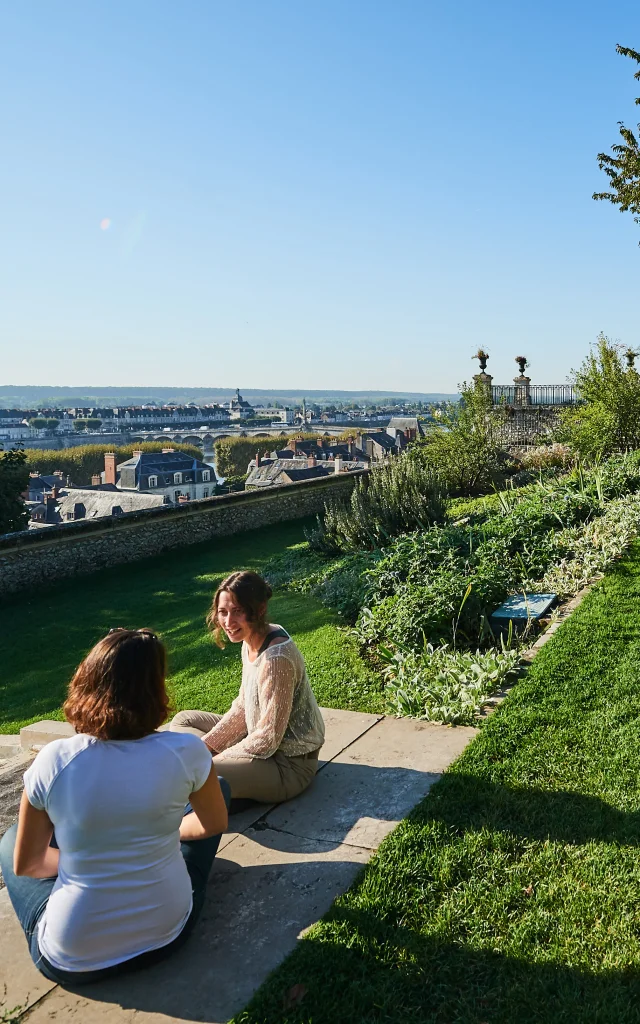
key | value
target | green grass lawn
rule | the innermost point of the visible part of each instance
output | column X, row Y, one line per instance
column 44, row 637
column 512, row 894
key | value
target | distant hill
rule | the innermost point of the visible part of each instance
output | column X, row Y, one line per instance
column 31, row 397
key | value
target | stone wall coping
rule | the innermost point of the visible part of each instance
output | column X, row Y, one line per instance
column 107, row 524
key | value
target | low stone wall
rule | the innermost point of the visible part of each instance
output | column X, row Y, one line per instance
column 32, row 558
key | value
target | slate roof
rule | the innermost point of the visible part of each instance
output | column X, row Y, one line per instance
column 291, row 471
column 383, row 439
column 136, row 471
column 406, row 423
column 94, row 504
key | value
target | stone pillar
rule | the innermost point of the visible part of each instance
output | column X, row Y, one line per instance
column 522, row 393
column 486, row 380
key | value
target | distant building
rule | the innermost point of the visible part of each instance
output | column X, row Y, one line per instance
column 174, row 475
column 13, row 426
column 292, row 469
column 379, row 445
column 238, row 408
column 410, row 426
column 74, row 503
column 40, row 486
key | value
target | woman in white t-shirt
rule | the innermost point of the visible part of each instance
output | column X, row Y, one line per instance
column 121, row 881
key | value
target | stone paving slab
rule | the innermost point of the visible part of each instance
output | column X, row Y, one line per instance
column 34, row 736
column 20, row 983
column 362, row 794
column 342, row 728
column 278, row 871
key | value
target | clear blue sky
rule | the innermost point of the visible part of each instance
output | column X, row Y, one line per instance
column 310, row 193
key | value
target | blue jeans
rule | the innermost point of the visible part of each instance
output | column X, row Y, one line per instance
column 29, row 897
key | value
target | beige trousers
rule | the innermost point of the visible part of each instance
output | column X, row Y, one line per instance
column 266, row 779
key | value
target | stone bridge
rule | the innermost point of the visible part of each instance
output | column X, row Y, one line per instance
column 207, row 436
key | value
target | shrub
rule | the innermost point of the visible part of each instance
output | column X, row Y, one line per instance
column 609, row 419
column 464, row 448
column 394, row 498
column 84, row 461
column 442, row 585
column 547, row 456
column 234, row 483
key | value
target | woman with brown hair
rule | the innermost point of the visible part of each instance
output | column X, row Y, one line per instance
column 121, row 882
column 267, row 744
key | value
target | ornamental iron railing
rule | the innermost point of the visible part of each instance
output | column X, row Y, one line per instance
column 534, row 394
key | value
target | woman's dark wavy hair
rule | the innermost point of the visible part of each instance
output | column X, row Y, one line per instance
column 252, row 594
column 118, row 692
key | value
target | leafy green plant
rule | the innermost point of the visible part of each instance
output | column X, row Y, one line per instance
column 438, row 684
column 546, row 456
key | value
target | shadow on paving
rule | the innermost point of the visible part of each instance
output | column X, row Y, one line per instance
column 266, row 887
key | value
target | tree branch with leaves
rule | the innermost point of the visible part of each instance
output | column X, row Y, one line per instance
column 622, row 165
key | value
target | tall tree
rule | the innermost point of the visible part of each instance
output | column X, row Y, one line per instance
column 14, row 479
column 622, row 165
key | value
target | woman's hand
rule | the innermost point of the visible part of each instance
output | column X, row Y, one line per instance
column 209, row 816
column 32, row 855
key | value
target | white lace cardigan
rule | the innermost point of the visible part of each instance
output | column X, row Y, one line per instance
column 276, row 709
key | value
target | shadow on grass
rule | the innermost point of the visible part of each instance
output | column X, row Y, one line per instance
column 466, row 803
column 395, row 976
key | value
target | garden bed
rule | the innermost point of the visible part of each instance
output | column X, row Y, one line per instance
column 421, row 603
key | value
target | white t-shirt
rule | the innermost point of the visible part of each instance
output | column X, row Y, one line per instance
column 116, row 806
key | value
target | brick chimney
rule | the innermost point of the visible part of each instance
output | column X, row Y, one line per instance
column 257, row 460
column 96, row 480
column 183, row 499
column 137, row 454
column 55, row 491
column 50, row 508
column 110, row 468
column 165, row 451
column 319, row 442
column 312, row 461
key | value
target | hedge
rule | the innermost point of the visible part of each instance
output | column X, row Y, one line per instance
column 82, row 462
column 233, row 454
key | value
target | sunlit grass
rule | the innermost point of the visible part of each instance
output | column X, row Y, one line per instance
column 44, row 637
